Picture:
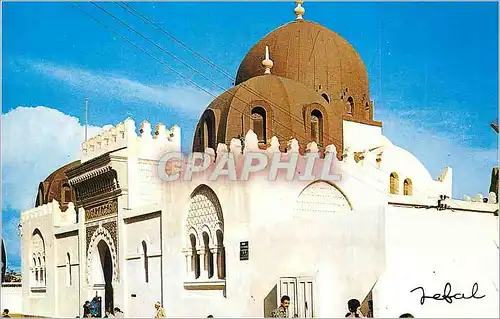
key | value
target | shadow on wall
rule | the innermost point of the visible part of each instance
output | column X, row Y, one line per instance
column 271, row 301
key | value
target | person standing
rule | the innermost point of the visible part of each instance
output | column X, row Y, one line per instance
column 354, row 307
column 160, row 312
column 282, row 310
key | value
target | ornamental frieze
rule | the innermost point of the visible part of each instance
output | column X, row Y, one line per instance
column 103, row 210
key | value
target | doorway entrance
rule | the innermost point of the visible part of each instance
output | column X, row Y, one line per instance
column 300, row 290
column 102, row 276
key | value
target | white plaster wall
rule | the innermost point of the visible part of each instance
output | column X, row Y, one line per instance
column 344, row 251
column 68, row 296
column 142, row 228
column 427, row 248
column 359, row 136
column 41, row 217
column 12, row 298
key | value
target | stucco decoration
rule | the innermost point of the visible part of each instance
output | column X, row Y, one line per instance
column 101, row 233
column 322, row 197
column 204, row 210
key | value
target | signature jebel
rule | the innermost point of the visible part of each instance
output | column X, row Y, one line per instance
column 447, row 295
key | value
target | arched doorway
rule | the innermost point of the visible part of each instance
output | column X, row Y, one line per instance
column 102, row 275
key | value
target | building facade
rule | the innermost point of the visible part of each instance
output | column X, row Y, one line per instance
column 108, row 226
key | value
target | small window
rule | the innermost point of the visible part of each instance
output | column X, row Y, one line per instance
column 394, row 184
column 350, row 105
column 408, row 187
column 258, row 118
column 325, row 96
column 145, row 258
column 317, row 127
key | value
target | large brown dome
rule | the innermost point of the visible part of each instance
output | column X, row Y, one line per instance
column 56, row 186
column 309, row 53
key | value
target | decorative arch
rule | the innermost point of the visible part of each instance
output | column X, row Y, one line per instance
column 103, row 234
column 204, row 209
column 394, row 183
column 37, row 248
column 322, row 197
column 203, row 247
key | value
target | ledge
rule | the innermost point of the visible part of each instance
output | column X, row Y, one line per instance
column 38, row 289
column 209, row 284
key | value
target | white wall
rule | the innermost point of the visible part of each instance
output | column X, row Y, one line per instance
column 428, row 248
column 12, row 298
column 68, row 302
column 42, row 218
column 344, row 250
column 359, row 136
column 142, row 228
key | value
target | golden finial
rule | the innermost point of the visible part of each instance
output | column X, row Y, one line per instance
column 299, row 10
column 267, row 63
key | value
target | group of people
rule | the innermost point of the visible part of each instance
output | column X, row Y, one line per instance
column 92, row 309
column 353, row 306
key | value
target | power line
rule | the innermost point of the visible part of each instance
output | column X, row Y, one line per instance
column 242, row 85
column 128, row 8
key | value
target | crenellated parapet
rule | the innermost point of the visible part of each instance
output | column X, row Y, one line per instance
column 149, row 143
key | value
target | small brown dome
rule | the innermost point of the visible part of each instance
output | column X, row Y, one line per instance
column 56, row 186
column 271, row 106
column 309, row 53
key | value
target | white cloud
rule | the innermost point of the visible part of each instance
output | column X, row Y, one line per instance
column 182, row 98
column 35, row 142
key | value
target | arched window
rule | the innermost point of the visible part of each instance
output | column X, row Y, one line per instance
column 394, row 184
column 350, row 105
column 325, row 96
column 195, row 258
column 221, row 255
column 317, row 127
column 37, row 247
column 65, row 194
column 204, row 216
column 208, row 261
column 208, row 130
column 367, row 110
column 259, row 123
column 42, row 278
column 145, row 258
column 68, row 270
column 408, row 187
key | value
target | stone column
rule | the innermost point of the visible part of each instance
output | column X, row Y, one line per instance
column 203, row 258
column 215, row 252
column 189, row 264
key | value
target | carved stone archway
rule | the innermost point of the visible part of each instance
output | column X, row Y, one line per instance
column 103, row 234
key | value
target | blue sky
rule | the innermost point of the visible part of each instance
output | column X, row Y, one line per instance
column 435, row 86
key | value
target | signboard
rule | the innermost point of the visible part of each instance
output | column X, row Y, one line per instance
column 244, row 250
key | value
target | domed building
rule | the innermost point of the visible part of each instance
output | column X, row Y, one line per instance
column 300, row 81
column 109, row 226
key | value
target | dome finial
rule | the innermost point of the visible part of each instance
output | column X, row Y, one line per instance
column 267, row 63
column 299, row 10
